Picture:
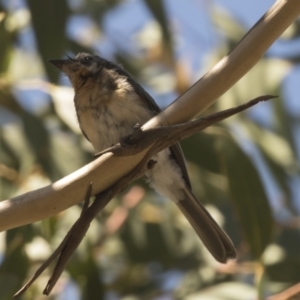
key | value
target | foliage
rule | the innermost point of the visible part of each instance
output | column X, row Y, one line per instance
column 140, row 246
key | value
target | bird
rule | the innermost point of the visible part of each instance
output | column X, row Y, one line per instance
column 109, row 104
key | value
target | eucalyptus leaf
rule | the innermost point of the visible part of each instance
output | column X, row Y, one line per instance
column 7, row 39
column 248, row 195
column 49, row 20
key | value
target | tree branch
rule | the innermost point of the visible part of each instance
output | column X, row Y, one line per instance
column 77, row 232
column 160, row 137
column 165, row 136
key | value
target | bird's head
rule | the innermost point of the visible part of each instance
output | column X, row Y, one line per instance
column 81, row 68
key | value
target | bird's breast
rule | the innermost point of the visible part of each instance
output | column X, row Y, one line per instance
column 105, row 119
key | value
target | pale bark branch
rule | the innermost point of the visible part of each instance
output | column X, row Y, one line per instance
column 108, row 169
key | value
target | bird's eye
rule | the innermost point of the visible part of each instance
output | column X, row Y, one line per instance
column 87, row 61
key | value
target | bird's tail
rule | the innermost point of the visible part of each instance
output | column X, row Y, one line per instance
column 213, row 237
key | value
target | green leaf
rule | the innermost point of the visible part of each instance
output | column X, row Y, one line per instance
column 158, row 10
column 7, row 38
column 15, row 265
column 49, row 20
column 248, row 195
column 199, row 149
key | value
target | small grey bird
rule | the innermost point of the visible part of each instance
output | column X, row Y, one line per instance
column 109, row 103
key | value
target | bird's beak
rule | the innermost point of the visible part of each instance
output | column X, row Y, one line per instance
column 59, row 63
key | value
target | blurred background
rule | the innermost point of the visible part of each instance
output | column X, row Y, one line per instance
column 245, row 169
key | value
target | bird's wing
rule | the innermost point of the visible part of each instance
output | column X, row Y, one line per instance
column 176, row 150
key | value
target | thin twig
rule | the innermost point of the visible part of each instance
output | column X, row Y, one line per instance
column 80, row 227
column 57, row 251
column 292, row 292
column 169, row 135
